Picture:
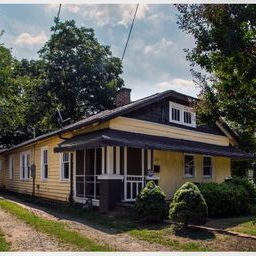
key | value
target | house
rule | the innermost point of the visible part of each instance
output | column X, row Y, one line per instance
column 109, row 156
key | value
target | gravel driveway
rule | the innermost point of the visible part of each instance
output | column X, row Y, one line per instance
column 22, row 237
column 120, row 241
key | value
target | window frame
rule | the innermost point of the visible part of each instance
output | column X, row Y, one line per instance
column 186, row 176
column 42, row 164
column 182, row 109
column 62, row 166
column 207, row 176
column 11, row 166
column 27, row 175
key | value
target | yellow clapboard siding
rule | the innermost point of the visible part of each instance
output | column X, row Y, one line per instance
column 150, row 128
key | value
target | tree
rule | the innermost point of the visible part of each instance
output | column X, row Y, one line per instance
column 82, row 76
column 74, row 73
column 225, row 50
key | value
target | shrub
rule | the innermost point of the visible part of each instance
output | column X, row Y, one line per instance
column 247, row 185
column 225, row 199
column 188, row 206
column 150, row 205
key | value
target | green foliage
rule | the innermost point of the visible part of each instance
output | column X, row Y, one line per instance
column 247, row 185
column 82, row 75
column 150, row 205
column 225, row 51
column 226, row 199
column 188, row 206
column 74, row 72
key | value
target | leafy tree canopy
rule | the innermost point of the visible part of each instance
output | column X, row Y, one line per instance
column 225, row 49
column 74, row 73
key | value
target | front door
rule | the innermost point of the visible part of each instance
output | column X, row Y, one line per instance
column 134, row 178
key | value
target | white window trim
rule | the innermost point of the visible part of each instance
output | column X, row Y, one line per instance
column 61, row 167
column 186, row 176
column 182, row 109
column 11, row 167
column 25, row 153
column 207, row 176
column 41, row 163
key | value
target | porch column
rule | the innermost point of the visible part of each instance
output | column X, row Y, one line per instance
column 111, row 182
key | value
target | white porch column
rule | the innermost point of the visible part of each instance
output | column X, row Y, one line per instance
column 103, row 160
column 117, row 160
column 110, row 158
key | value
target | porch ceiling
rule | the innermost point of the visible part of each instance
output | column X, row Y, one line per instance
column 110, row 137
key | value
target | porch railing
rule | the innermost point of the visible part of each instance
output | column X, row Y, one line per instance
column 132, row 186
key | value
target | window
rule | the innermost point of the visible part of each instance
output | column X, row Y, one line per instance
column 65, row 166
column 189, row 167
column 11, row 167
column 182, row 114
column 44, row 164
column 24, row 165
column 175, row 114
column 207, row 167
column 187, row 117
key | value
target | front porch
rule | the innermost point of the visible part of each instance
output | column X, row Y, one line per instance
column 112, row 166
column 111, row 174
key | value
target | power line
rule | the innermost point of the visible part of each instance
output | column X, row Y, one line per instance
column 129, row 35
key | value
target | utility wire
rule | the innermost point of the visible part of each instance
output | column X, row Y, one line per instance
column 129, row 35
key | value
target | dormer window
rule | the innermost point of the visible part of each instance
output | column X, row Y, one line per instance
column 176, row 114
column 187, row 117
column 181, row 114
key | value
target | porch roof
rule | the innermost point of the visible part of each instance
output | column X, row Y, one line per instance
column 110, row 137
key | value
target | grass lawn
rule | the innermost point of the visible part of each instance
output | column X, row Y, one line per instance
column 241, row 224
column 4, row 246
column 54, row 228
column 163, row 234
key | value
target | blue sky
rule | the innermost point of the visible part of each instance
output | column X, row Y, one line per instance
column 154, row 61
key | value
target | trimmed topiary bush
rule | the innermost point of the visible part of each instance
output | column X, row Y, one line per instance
column 225, row 199
column 188, row 206
column 150, row 205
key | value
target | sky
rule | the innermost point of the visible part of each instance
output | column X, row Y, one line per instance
column 155, row 60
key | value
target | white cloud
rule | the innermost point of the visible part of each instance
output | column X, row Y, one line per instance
column 28, row 39
column 128, row 13
column 158, row 47
column 74, row 8
column 181, row 85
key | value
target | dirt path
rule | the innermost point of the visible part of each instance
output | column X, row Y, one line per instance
column 22, row 237
column 120, row 241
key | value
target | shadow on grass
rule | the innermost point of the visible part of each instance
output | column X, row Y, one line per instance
column 195, row 234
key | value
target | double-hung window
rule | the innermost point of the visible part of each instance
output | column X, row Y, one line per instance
column 44, row 163
column 11, row 167
column 187, row 118
column 182, row 114
column 189, row 166
column 207, row 167
column 65, row 166
column 25, row 165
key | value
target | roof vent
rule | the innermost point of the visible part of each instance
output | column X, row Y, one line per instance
column 123, row 97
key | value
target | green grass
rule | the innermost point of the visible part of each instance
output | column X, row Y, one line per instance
column 246, row 227
column 54, row 228
column 4, row 246
column 161, row 237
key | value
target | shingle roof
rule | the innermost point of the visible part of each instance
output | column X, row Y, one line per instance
column 108, row 114
column 110, row 137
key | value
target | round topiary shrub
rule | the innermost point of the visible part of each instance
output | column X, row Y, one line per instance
column 188, row 206
column 150, row 205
